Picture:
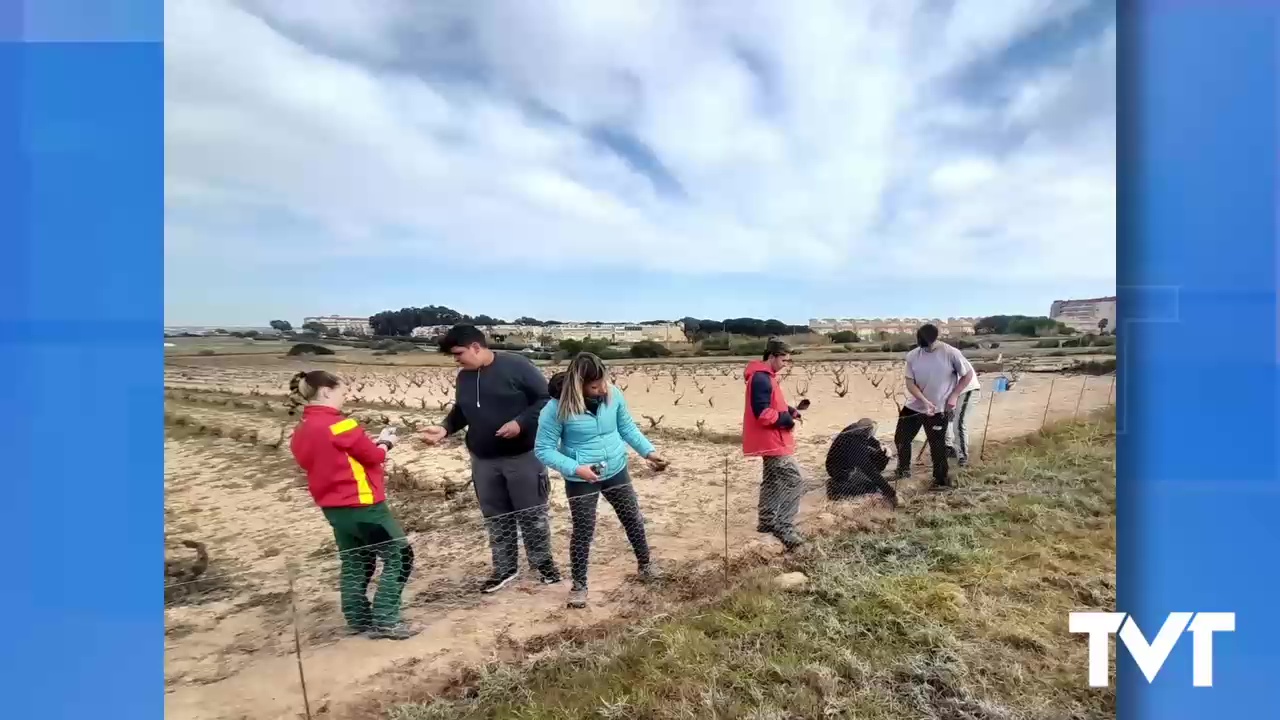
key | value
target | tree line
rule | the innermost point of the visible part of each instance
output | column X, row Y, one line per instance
column 400, row 323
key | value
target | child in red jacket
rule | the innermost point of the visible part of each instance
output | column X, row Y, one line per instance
column 345, row 478
column 768, row 432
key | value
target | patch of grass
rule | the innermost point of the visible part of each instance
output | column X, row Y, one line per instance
column 958, row 612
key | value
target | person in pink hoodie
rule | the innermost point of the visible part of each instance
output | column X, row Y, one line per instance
column 768, row 427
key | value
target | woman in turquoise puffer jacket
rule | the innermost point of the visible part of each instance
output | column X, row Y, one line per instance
column 583, row 434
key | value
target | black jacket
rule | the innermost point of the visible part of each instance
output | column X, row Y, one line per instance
column 512, row 388
column 855, row 449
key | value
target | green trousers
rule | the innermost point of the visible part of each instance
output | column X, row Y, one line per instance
column 365, row 534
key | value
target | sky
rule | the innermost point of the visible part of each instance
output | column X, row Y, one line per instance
column 637, row 159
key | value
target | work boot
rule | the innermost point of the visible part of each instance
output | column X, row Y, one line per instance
column 648, row 573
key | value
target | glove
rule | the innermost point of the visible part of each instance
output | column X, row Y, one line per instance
column 387, row 437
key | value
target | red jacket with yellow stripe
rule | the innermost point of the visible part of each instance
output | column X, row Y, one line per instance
column 343, row 466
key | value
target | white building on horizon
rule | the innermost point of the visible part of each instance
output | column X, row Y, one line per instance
column 342, row 323
column 870, row 328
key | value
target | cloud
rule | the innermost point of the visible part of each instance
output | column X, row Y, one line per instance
column 816, row 137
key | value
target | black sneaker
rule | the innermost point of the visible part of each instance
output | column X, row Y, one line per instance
column 941, row 486
column 399, row 631
column 355, row 630
column 497, row 582
column 951, row 453
column 791, row 540
column 963, row 462
column 549, row 574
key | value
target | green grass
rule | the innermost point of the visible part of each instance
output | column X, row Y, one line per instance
column 958, row 610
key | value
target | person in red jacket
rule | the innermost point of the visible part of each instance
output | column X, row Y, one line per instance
column 768, row 425
column 345, row 478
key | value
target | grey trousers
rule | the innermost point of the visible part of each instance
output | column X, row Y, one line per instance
column 513, row 493
column 958, row 431
column 780, row 492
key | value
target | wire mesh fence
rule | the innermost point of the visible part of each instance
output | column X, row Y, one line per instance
column 377, row 583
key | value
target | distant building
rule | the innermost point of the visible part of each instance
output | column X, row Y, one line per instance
column 613, row 332
column 342, row 324
column 871, row 328
column 1085, row 315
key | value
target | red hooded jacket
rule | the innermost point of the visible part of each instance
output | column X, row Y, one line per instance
column 343, row 466
column 767, row 420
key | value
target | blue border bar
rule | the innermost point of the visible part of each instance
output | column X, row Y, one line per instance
column 1197, row 478
column 82, row 208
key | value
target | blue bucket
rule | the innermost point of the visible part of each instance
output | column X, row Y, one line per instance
column 1001, row 384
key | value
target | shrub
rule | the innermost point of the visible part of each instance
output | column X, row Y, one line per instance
column 591, row 345
column 716, row 342
column 843, row 337
column 649, row 349
column 1103, row 341
column 995, row 345
column 897, row 346
column 1075, row 342
column 207, row 352
column 749, row 347
column 1047, row 344
column 309, row 349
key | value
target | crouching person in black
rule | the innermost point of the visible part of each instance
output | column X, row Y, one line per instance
column 856, row 463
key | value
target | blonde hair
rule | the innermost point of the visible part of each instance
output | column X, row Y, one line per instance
column 304, row 386
column 583, row 370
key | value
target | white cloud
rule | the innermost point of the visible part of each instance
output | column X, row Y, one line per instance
column 819, row 134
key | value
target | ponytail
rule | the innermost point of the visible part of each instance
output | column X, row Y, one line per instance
column 304, row 385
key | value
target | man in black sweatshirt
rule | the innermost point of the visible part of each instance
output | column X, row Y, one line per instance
column 499, row 396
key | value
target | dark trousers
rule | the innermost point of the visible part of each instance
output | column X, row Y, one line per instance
column 583, row 497
column 860, row 482
column 365, row 534
column 935, row 432
column 513, row 494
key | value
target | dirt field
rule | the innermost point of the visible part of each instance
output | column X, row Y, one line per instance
column 231, row 484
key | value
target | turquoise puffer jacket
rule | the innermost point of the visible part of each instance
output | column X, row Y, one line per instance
column 588, row 439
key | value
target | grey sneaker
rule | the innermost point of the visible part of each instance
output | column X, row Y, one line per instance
column 578, row 598
column 399, row 631
column 648, row 573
